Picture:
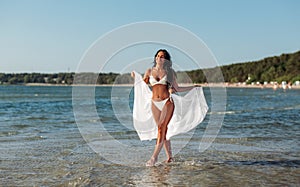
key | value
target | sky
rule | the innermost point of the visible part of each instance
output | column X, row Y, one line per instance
column 51, row 36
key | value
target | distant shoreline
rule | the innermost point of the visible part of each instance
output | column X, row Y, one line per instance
column 226, row 85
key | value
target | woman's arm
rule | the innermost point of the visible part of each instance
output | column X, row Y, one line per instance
column 183, row 89
column 147, row 76
column 178, row 88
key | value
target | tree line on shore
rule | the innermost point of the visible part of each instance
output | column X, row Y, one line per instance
column 285, row 67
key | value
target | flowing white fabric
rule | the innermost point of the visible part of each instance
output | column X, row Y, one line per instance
column 189, row 111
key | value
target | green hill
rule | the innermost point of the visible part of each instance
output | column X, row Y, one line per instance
column 285, row 67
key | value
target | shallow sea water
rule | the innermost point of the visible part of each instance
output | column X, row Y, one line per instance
column 41, row 144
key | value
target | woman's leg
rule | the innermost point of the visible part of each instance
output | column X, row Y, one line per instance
column 156, row 115
column 162, row 123
column 168, row 150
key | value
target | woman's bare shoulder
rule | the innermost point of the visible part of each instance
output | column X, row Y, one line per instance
column 148, row 72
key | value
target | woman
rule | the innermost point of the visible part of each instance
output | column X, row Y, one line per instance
column 163, row 105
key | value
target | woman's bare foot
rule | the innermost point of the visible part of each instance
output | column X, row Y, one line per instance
column 151, row 162
column 169, row 160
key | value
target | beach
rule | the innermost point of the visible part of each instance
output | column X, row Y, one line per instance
column 42, row 143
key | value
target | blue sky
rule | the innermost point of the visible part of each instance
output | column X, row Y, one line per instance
column 53, row 35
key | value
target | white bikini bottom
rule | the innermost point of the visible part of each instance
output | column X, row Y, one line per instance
column 160, row 104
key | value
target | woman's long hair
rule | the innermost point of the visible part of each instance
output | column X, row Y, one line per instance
column 167, row 66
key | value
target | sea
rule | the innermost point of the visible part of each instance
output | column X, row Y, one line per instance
column 53, row 136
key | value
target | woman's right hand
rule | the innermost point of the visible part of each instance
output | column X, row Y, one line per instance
column 132, row 74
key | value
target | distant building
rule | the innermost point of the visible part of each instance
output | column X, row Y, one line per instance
column 283, row 84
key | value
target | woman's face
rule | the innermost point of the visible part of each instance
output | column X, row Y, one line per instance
column 160, row 58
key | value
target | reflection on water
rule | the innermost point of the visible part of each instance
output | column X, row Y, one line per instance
column 41, row 145
column 153, row 176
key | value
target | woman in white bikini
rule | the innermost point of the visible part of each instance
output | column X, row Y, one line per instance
column 162, row 79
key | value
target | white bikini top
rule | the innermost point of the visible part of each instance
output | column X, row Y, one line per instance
column 153, row 81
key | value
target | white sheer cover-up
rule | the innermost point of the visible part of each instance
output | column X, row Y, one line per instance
column 189, row 111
